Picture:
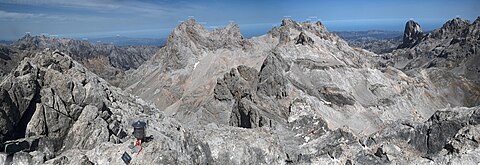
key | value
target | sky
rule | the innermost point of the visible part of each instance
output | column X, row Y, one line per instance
column 156, row 19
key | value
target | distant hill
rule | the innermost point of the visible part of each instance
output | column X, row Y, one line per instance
column 127, row 41
column 369, row 35
column 6, row 42
column 377, row 41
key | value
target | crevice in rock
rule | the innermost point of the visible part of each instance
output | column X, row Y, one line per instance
column 20, row 128
column 45, row 121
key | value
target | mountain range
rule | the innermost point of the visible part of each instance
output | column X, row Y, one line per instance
column 295, row 95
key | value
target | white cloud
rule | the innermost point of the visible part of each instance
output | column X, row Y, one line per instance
column 100, row 4
column 103, row 5
column 15, row 16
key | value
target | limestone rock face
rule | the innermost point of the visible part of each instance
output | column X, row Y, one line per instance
column 412, row 35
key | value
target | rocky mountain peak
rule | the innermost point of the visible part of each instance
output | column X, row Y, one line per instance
column 233, row 28
column 188, row 28
column 26, row 37
column 191, row 32
column 477, row 21
column 453, row 28
column 456, row 23
column 288, row 22
column 412, row 34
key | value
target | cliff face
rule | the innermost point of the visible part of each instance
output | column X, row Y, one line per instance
column 298, row 94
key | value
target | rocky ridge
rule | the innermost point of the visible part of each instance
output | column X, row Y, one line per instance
column 108, row 61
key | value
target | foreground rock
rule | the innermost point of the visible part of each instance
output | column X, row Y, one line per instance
column 55, row 111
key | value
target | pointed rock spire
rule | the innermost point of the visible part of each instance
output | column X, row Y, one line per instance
column 412, row 34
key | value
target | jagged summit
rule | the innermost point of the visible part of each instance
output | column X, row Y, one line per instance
column 412, row 34
column 455, row 23
column 190, row 32
column 477, row 21
column 456, row 27
column 289, row 23
column 314, row 27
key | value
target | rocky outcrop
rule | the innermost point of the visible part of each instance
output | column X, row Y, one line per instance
column 42, row 99
column 244, row 86
column 60, row 103
column 433, row 141
column 412, row 35
column 271, row 80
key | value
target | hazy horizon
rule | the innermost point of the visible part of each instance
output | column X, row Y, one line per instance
column 156, row 19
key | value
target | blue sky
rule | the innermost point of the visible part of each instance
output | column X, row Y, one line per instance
column 155, row 19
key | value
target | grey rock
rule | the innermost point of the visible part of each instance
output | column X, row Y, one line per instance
column 89, row 131
column 467, row 138
column 245, row 114
column 21, row 158
column 271, row 79
column 336, row 96
column 3, row 158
